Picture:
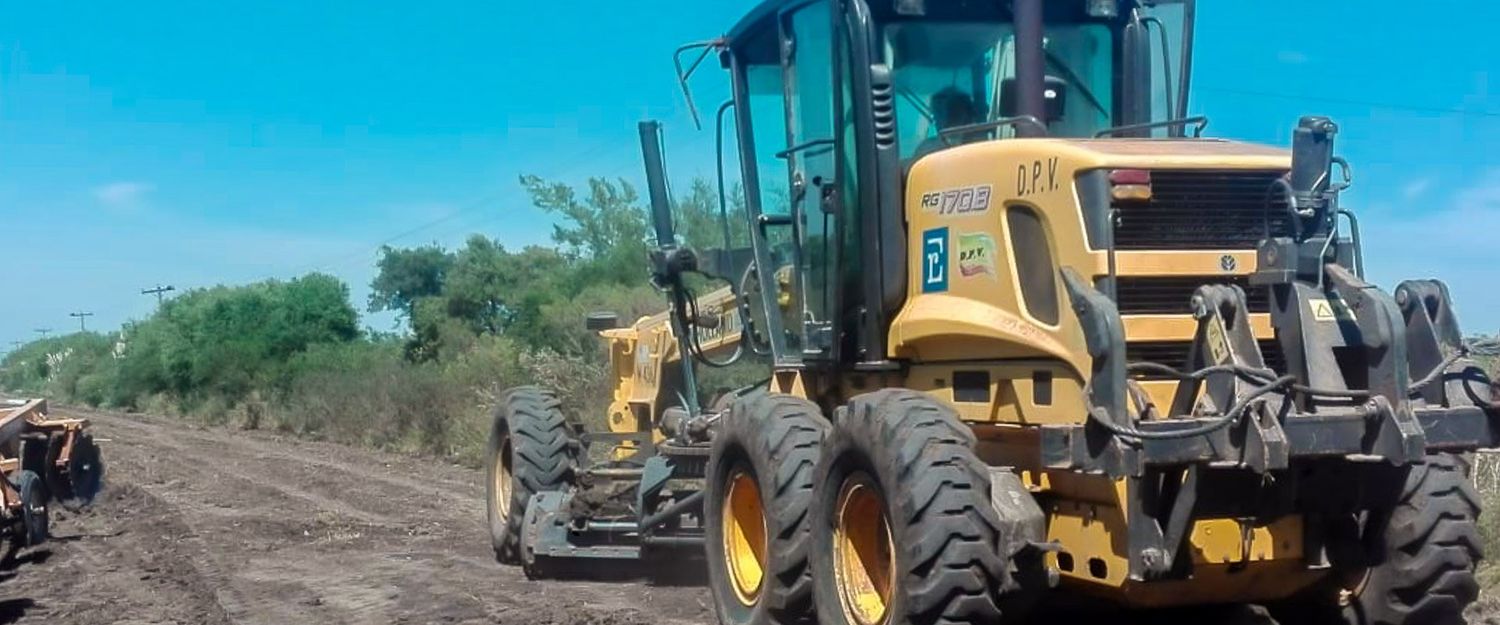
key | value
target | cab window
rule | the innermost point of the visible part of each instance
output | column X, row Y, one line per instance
column 768, row 116
column 950, row 74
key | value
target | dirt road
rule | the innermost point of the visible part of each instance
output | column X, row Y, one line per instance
column 214, row 526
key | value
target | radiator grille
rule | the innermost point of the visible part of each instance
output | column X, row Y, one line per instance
column 1174, row 354
column 1199, row 210
column 1137, row 295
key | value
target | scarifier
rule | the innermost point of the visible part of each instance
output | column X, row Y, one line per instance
column 1028, row 335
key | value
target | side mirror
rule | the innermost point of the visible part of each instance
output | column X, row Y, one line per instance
column 1135, row 88
column 1054, row 98
column 601, row 320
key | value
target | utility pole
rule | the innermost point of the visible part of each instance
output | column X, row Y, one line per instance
column 81, row 315
column 158, row 291
column 43, row 331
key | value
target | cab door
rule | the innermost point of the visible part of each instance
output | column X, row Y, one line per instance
column 787, row 102
column 813, row 161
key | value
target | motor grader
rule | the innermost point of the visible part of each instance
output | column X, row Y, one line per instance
column 1029, row 338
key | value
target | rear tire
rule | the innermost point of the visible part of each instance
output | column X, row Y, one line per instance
column 531, row 449
column 904, row 531
column 1431, row 545
column 759, row 491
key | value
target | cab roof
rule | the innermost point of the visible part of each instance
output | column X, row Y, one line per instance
column 766, row 11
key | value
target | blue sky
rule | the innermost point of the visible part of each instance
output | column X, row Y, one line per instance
column 195, row 143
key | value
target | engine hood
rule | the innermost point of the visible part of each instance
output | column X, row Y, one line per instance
column 1133, row 153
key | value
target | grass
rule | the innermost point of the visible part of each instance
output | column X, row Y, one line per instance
column 1487, row 480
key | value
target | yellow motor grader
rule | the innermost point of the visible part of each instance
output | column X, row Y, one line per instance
column 1027, row 335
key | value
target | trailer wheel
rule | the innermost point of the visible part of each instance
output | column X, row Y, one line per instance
column 33, row 508
column 903, row 528
column 759, row 488
column 77, row 484
column 1431, row 545
column 531, row 449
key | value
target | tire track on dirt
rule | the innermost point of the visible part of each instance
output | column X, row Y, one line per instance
column 216, row 526
column 207, row 526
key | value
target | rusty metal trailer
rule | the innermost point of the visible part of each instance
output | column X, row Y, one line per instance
column 42, row 460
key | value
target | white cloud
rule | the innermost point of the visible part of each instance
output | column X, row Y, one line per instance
column 123, row 195
column 1486, row 193
column 1414, row 189
column 1291, row 57
column 1453, row 241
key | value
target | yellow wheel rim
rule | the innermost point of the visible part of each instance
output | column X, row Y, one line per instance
column 744, row 537
column 864, row 560
column 501, row 476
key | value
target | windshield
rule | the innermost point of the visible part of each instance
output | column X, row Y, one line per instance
column 951, row 74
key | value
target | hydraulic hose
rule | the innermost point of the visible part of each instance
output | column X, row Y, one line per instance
column 1247, row 373
column 1218, row 423
column 1269, row 383
column 1436, row 373
column 698, row 351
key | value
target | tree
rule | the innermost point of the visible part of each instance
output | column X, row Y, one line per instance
column 225, row 342
column 309, row 310
column 488, row 282
column 701, row 225
column 531, row 296
column 594, row 228
column 406, row 275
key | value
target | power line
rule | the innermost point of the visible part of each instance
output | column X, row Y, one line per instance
column 1351, row 102
column 81, row 315
column 567, row 172
column 43, row 331
column 158, row 292
column 623, row 164
column 406, row 233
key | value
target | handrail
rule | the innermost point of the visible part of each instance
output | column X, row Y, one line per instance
column 1200, row 120
column 803, row 146
column 1018, row 120
column 684, row 74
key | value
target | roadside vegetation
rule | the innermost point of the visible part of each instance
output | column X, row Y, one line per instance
column 289, row 355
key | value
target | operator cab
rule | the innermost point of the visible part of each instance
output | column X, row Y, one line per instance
column 951, row 72
column 834, row 100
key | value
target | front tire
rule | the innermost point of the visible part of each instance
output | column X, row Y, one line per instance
column 904, row 531
column 1431, row 546
column 759, row 490
column 531, row 449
